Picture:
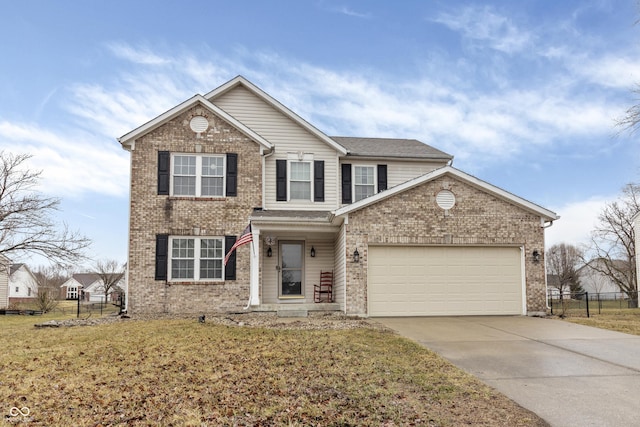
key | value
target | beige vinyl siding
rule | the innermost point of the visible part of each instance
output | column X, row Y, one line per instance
column 269, row 275
column 397, row 171
column 323, row 261
column 287, row 137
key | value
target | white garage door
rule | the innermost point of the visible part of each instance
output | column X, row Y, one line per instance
column 444, row 281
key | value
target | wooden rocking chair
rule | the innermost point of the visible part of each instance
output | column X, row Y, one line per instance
column 323, row 292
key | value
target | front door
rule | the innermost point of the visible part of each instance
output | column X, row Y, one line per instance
column 292, row 272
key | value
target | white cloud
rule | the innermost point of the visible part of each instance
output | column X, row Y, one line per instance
column 577, row 220
column 486, row 125
column 484, row 25
column 72, row 162
column 610, row 71
column 136, row 54
column 350, row 12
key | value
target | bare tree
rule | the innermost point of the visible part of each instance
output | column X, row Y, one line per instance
column 110, row 273
column 49, row 279
column 26, row 216
column 562, row 261
column 631, row 119
column 613, row 241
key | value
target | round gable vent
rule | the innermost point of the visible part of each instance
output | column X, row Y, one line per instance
column 199, row 124
column 446, row 199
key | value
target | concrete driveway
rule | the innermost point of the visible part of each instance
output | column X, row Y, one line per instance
column 570, row 375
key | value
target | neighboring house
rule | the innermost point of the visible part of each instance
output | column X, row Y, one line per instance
column 597, row 283
column 553, row 288
column 4, row 281
column 91, row 288
column 23, row 286
column 404, row 232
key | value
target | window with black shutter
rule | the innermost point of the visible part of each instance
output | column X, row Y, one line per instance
column 164, row 172
column 230, row 268
column 162, row 256
column 232, row 175
column 382, row 178
column 281, row 180
column 346, row 183
column 318, row 181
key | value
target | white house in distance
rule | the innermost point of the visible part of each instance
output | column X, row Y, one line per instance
column 91, row 287
column 23, row 286
column 597, row 283
column 4, row 282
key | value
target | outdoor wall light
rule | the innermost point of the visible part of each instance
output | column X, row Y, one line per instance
column 313, row 252
column 269, row 252
column 536, row 256
column 356, row 256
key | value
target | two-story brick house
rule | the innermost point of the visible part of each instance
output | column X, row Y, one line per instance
column 403, row 232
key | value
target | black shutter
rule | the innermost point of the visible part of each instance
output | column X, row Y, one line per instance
column 232, row 174
column 162, row 256
column 318, row 181
column 164, row 160
column 382, row 178
column 281, row 180
column 230, row 268
column 346, row 183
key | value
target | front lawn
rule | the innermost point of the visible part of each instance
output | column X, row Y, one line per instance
column 174, row 372
column 621, row 320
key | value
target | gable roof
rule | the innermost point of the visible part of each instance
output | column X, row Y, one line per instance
column 390, row 147
column 15, row 267
column 239, row 80
column 448, row 170
column 128, row 139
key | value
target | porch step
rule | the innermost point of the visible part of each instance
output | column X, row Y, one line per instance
column 293, row 313
column 305, row 307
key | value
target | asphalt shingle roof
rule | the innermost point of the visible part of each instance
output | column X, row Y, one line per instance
column 390, row 147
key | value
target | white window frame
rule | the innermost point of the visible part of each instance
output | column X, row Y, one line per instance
column 197, row 240
column 198, row 174
column 290, row 179
column 72, row 292
column 354, row 184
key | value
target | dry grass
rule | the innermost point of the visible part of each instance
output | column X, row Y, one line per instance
column 180, row 372
column 621, row 320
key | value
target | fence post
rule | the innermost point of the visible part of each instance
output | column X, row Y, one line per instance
column 587, row 297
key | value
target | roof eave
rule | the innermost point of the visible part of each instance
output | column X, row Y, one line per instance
column 128, row 140
column 532, row 207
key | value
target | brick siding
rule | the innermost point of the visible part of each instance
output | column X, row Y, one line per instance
column 413, row 218
column 152, row 214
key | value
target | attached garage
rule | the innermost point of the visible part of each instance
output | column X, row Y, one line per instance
column 445, row 280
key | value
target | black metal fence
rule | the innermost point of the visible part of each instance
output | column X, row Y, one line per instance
column 588, row 303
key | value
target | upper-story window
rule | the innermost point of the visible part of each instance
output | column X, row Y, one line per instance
column 194, row 258
column 363, row 182
column 198, row 175
column 300, row 181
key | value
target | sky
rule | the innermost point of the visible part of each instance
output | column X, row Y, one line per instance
column 524, row 94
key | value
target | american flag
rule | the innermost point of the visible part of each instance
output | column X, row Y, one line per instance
column 245, row 237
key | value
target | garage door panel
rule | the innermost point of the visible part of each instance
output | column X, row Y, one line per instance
column 417, row 281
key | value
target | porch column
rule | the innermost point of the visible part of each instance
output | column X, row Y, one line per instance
column 254, row 271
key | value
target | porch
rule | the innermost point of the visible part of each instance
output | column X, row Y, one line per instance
column 296, row 310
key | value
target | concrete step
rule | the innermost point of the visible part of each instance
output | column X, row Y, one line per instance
column 293, row 313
